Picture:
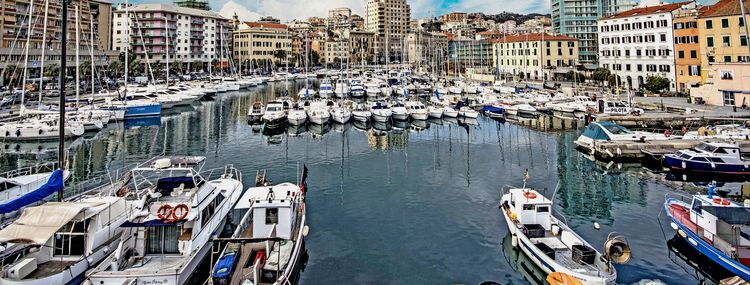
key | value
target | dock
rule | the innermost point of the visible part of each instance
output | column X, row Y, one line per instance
column 676, row 112
column 639, row 151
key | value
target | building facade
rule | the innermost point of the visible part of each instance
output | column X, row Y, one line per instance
column 93, row 15
column 722, row 33
column 638, row 43
column 687, row 50
column 262, row 42
column 361, row 45
column 426, row 48
column 725, row 85
column 535, row 56
column 578, row 19
column 390, row 21
column 157, row 32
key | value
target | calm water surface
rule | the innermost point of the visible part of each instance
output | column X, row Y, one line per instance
column 411, row 206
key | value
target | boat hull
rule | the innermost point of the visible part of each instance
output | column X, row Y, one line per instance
column 679, row 164
column 702, row 246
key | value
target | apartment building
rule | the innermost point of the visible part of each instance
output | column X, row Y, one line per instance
column 535, row 56
column 262, row 42
column 390, row 20
column 722, row 33
column 640, row 42
column 687, row 50
column 425, row 48
column 163, row 31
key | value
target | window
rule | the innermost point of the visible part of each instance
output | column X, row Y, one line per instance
column 693, row 54
column 639, row 67
column 727, row 58
column 542, row 209
column 742, row 22
column 162, row 240
column 709, row 24
column 697, row 207
column 70, row 239
column 663, row 37
column 272, row 216
column 728, row 98
column 725, row 41
column 743, row 40
column 725, row 23
column 681, row 54
column 711, row 59
column 710, row 41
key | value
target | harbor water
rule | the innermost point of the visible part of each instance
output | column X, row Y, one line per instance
column 403, row 203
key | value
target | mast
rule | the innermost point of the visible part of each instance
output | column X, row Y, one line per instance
column 44, row 48
column 78, row 65
column 127, row 50
column 91, row 30
column 166, row 44
column 63, row 62
column 26, row 56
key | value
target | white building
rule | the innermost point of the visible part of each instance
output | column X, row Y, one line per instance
column 193, row 35
column 638, row 43
column 390, row 20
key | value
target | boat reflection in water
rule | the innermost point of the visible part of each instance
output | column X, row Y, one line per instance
column 522, row 264
column 694, row 263
column 142, row 122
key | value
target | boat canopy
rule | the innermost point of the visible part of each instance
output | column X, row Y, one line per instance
column 597, row 131
column 54, row 183
column 38, row 224
column 730, row 215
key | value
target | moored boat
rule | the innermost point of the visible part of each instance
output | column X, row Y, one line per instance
column 710, row 157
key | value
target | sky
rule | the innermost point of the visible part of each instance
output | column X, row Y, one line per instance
column 286, row 10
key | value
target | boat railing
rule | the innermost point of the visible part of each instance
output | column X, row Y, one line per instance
column 31, row 170
column 104, row 184
column 678, row 196
column 226, row 172
column 247, row 220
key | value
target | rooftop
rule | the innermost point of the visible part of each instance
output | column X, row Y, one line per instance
column 724, row 8
column 533, row 38
column 173, row 9
column 266, row 25
column 648, row 10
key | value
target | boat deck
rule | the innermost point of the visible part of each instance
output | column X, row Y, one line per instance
column 682, row 215
column 49, row 268
column 564, row 255
column 155, row 264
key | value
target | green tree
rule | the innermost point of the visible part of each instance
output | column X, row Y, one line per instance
column 614, row 80
column 279, row 54
column 84, row 69
column 600, row 75
column 11, row 72
column 52, row 70
column 116, row 68
column 314, row 58
column 136, row 67
column 656, row 84
column 157, row 67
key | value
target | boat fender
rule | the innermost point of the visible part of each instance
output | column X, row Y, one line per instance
column 18, row 132
column 305, row 230
column 180, row 212
column 40, row 131
column 684, row 165
column 667, row 133
column 164, row 212
column 673, row 225
column 597, row 226
column 713, row 166
column 684, row 130
column 721, row 201
column 514, row 240
column 7, row 133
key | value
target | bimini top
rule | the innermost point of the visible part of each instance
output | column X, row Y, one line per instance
column 283, row 191
column 38, row 224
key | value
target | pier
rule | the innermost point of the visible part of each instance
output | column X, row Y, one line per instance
column 638, row 151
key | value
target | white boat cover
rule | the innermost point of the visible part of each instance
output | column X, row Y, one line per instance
column 38, row 224
column 274, row 259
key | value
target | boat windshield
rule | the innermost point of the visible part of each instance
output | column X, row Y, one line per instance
column 706, row 147
column 616, row 129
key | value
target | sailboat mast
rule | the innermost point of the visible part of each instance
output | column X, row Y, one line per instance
column 44, row 47
column 63, row 62
column 166, row 44
column 91, row 30
column 26, row 57
column 78, row 70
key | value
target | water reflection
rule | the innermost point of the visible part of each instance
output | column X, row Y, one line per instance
column 703, row 269
column 521, row 263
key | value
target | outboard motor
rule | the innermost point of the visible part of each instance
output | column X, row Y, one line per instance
column 617, row 249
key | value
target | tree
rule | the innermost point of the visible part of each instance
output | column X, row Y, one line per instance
column 600, row 75
column 614, row 80
column 11, row 73
column 314, row 58
column 656, row 84
column 136, row 67
column 52, row 70
column 85, row 68
column 279, row 54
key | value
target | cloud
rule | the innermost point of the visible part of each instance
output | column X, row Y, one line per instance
column 230, row 8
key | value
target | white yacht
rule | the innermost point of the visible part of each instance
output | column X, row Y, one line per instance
column 357, row 89
column 381, row 112
column 361, row 114
column 435, row 112
column 399, row 111
column 274, row 114
column 274, row 217
column 326, row 88
column 468, row 112
column 597, row 132
column 296, row 116
column 340, row 114
column 256, row 112
column 417, row 110
column 318, row 112
column 175, row 212
column 39, row 129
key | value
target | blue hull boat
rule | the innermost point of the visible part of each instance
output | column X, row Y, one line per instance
column 715, row 158
column 493, row 111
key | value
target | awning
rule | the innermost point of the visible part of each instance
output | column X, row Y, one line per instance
column 38, row 224
column 693, row 83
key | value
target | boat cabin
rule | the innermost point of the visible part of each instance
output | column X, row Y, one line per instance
column 723, row 223
column 531, row 208
column 712, row 152
column 272, row 209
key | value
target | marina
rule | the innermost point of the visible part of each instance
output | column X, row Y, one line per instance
column 387, row 197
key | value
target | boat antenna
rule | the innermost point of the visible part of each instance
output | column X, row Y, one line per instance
column 525, row 178
column 63, row 62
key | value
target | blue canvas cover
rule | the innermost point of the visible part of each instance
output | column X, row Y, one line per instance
column 224, row 266
column 54, row 183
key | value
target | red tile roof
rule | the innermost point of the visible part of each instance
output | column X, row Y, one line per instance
column 533, row 38
column 648, row 10
column 724, row 8
column 266, row 25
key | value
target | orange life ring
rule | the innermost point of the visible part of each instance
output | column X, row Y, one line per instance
column 184, row 209
column 721, row 201
column 164, row 212
column 667, row 133
column 529, row 195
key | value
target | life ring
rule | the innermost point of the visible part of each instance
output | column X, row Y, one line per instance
column 183, row 212
column 721, row 201
column 684, row 130
column 529, row 195
column 164, row 212
column 667, row 133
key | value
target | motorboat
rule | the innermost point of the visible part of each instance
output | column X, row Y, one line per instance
column 434, row 112
column 340, row 115
column 256, row 112
column 357, row 89
column 550, row 243
column 417, row 110
column 723, row 132
column 29, row 185
column 716, row 227
column 318, row 112
column 326, row 88
column 449, row 112
column 468, row 112
column 65, row 239
column 296, row 116
column 34, row 129
column 494, row 111
column 597, row 132
column 306, row 92
column 381, row 112
column 399, row 111
column 176, row 208
column 372, row 89
column 525, row 110
column 361, row 114
column 710, row 157
column 274, row 113
column 273, row 216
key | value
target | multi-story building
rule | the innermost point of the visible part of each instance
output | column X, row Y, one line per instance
column 455, row 17
column 262, row 42
column 426, row 48
column 390, row 21
column 578, row 19
column 687, row 50
column 195, row 4
column 335, row 50
column 640, row 42
column 340, row 12
column 470, row 53
column 535, row 56
column 361, row 45
column 722, row 33
column 187, row 35
column 18, row 30
column 507, row 27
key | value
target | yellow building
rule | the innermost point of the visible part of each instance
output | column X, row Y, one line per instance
column 254, row 41
column 535, row 56
column 722, row 34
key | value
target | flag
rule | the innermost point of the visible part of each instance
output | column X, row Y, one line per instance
column 303, row 182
